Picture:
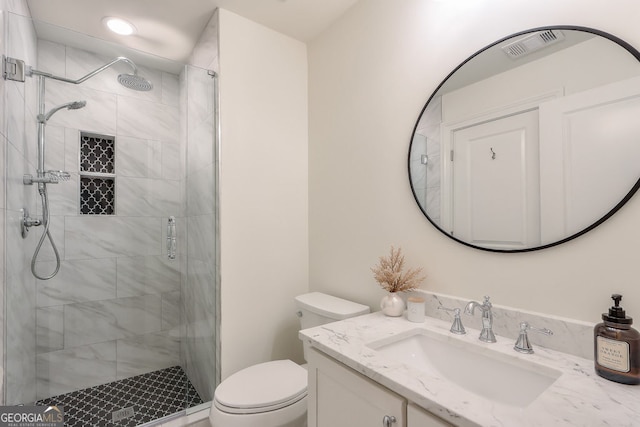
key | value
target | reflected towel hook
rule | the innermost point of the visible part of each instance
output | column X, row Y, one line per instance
column 493, row 154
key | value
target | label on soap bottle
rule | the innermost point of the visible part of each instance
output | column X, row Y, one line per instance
column 613, row 354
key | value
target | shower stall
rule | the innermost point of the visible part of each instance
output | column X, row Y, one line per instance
column 111, row 250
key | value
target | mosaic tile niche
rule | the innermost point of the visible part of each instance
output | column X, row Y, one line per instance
column 97, row 174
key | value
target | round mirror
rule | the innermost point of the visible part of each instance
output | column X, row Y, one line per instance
column 532, row 141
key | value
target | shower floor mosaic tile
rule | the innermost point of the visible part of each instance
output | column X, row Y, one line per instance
column 152, row 396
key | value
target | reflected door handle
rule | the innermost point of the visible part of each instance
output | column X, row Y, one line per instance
column 388, row 420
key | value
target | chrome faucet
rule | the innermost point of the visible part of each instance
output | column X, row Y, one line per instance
column 486, row 334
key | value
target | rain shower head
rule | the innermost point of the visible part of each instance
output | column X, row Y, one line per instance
column 75, row 105
column 135, row 82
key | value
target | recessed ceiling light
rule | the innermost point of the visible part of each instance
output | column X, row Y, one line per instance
column 119, row 26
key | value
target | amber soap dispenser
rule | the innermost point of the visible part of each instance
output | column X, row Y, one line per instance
column 617, row 346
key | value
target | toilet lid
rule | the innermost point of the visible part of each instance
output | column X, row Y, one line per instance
column 263, row 387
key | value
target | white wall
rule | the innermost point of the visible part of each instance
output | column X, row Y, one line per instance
column 263, row 192
column 369, row 77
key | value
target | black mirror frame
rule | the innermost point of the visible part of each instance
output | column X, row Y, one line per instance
column 633, row 51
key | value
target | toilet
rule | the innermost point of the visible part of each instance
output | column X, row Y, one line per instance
column 274, row 394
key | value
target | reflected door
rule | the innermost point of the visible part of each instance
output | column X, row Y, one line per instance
column 589, row 154
column 495, row 182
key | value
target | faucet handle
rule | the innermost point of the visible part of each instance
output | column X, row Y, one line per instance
column 456, row 327
column 522, row 343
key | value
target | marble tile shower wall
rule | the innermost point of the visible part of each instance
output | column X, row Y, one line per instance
column 18, row 157
column 113, row 310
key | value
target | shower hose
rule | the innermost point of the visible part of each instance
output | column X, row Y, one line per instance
column 45, row 234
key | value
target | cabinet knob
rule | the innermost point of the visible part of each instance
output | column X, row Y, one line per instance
column 388, row 420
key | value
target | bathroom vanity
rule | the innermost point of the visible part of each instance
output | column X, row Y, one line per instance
column 376, row 370
column 341, row 396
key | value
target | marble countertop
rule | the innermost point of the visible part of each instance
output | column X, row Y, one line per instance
column 578, row 397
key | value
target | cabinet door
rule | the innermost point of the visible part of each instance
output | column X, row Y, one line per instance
column 340, row 397
column 418, row 417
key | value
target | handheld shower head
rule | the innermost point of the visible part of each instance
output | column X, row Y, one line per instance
column 75, row 105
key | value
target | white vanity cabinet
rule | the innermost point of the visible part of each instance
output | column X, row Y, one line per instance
column 338, row 396
column 418, row 417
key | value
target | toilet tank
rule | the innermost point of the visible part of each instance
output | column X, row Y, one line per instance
column 316, row 309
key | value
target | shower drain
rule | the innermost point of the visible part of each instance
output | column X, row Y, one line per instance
column 121, row 414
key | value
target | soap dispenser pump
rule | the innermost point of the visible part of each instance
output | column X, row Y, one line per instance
column 617, row 346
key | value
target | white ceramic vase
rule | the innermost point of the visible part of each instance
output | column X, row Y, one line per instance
column 392, row 304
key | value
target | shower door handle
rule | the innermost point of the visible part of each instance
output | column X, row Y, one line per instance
column 171, row 238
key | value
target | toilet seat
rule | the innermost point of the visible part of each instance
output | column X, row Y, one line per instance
column 261, row 388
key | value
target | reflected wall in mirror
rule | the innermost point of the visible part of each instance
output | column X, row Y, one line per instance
column 532, row 141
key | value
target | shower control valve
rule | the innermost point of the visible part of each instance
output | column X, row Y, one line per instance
column 27, row 222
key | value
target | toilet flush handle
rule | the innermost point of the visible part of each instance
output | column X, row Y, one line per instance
column 299, row 313
column 387, row 420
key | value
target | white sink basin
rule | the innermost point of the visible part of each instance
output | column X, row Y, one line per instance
column 476, row 368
